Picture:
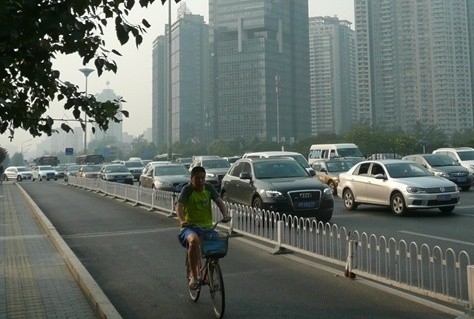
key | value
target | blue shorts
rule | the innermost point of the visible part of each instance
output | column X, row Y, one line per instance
column 184, row 233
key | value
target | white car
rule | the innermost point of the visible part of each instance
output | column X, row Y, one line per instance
column 400, row 184
column 41, row 172
column 17, row 173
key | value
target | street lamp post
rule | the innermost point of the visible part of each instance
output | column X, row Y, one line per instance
column 86, row 72
column 170, row 118
column 277, row 91
column 21, row 147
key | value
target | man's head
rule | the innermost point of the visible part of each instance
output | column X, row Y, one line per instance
column 198, row 177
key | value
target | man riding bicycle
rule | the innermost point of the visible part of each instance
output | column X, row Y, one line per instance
column 195, row 214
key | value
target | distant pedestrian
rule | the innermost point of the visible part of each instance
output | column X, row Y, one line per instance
column 1, row 174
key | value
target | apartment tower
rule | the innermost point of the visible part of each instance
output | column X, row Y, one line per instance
column 414, row 63
column 333, row 75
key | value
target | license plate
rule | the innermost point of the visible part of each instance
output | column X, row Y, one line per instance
column 462, row 179
column 120, row 181
column 443, row 198
column 309, row 204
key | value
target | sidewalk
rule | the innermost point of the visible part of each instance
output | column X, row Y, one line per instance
column 40, row 277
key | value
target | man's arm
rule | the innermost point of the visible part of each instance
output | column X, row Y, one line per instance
column 223, row 208
column 180, row 212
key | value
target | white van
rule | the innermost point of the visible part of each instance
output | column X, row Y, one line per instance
column 349, row 151
column 295, row 155
column 464, row 156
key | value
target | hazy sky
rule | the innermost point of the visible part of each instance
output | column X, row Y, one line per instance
column 134, row 75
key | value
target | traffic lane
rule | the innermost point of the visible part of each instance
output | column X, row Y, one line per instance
column 136, row 259
column 421, row 226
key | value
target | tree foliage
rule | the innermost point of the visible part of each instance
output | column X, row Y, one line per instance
column 3, row 154
column 33, row 33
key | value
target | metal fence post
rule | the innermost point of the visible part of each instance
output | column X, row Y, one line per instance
column 350, row 260
column 470, row 285
column 173, row 203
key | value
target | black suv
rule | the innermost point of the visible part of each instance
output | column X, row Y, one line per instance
column 277, row 184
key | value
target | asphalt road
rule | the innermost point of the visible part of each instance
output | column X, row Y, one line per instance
column 135, row 258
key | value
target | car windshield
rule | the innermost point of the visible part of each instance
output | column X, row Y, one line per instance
column 466, row 155
column 265, row 170
column 45, row 168
column 339, row 166
column 215, row 163
column 299, row 158
column 349, row 152
column 91, row 168
column 171, row 170
column 22, row 169
column 73, row 168
column 116, row 169
column 441, row 160
column 401, row 170
column 133, row 164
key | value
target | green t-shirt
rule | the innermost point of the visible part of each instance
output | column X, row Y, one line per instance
column 197, row 205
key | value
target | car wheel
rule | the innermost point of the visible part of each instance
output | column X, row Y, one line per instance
column 397, row 204
column 257, row 203
column 349, row 201
column 447, row 209
column 333, row 187
column 5, row 178
column 18, row 178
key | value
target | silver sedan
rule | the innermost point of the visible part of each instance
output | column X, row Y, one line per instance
column 402, row 185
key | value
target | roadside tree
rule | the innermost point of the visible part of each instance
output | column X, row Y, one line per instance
column 33, row 34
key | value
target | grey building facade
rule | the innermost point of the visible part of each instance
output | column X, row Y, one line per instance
column 189, row 81
column 259, row 70
column 333, row 75
column 414, row 63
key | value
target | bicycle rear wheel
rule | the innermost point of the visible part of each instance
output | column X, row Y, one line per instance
column 193, row 293
column 216, row 286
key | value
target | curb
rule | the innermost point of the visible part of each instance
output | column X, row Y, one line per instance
column 91, row 290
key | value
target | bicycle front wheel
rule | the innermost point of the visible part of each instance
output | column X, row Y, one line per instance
column 216, row 286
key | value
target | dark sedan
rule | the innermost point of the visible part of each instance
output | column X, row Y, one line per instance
column 277, row 184
column 118, row 173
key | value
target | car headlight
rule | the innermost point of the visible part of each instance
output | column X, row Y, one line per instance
column 327, row 191
column 160, row 184
column 442, row 174
column 273, row 194
column 413, row 189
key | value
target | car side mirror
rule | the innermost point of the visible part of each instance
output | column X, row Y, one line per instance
column 311, row 172
column 379, row 176
column 245, row 175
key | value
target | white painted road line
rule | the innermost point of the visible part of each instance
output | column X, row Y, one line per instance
column 437, row 237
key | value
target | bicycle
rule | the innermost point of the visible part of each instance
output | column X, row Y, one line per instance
column 213, row 246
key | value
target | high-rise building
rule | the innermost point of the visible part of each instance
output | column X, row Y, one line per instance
column 115, row 129
column 259, row 69
column 414, row 63
column 189, row 80
column 333, row 75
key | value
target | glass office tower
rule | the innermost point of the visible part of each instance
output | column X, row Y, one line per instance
column 259, row 70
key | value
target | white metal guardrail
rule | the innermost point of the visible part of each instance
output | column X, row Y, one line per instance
column 443, row 274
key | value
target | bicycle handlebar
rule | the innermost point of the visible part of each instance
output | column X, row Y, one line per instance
column 223, row 220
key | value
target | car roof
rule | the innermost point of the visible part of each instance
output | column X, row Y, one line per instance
column 386, row 161
column 271, row 153
column 269, row 159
